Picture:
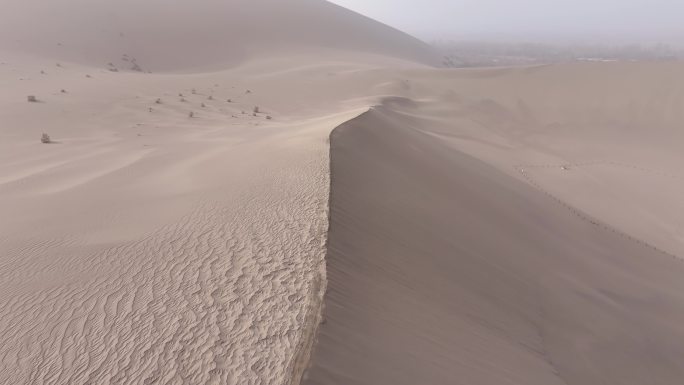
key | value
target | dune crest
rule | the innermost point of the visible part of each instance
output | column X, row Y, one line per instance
column 443, row 269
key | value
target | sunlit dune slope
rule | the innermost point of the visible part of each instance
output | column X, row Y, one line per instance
column 164, row 35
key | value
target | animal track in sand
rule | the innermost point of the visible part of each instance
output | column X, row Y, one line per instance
column 602, row 223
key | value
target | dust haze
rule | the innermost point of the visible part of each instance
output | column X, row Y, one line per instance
column 579, row 21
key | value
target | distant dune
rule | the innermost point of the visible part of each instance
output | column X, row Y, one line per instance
column 180, row 225
column 185, row 35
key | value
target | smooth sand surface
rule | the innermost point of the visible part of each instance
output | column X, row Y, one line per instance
column 184, row 36
column 443, row 269
column 513, row 226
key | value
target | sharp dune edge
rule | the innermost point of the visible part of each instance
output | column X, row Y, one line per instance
column 443, row 269
column 512, row 226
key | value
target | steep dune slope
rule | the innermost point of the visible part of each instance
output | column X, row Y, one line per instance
column 169, row 35
column 443, row 269
column 147, row 246
column 171, row 232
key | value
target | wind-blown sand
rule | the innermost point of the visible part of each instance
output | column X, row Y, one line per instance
column 478, row 230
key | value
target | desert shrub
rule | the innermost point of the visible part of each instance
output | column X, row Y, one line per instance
column 158, row 101
column 45, row 138
column 135, row 67
column 31, row 99
column 256, row 109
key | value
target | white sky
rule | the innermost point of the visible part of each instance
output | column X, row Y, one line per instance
column 532, row 20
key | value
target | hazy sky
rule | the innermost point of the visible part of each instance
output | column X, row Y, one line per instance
column 580, row 20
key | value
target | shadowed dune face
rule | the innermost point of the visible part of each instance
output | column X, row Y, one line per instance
column 442, row 269
column 172, row 35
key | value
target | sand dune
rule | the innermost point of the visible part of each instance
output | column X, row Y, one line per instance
column 513, row 226
column 442, row 269
column 158, row 35
column 147, row 246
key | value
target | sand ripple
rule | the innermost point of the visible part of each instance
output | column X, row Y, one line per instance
column 220, row 297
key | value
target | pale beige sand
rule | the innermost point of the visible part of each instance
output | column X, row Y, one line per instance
column 148, row 246
column 183, row 36
column 443, row 269
column 152, row 247
column 145, row 246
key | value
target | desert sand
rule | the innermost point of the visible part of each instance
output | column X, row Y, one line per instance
column 443, row 268
column 193, row 220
